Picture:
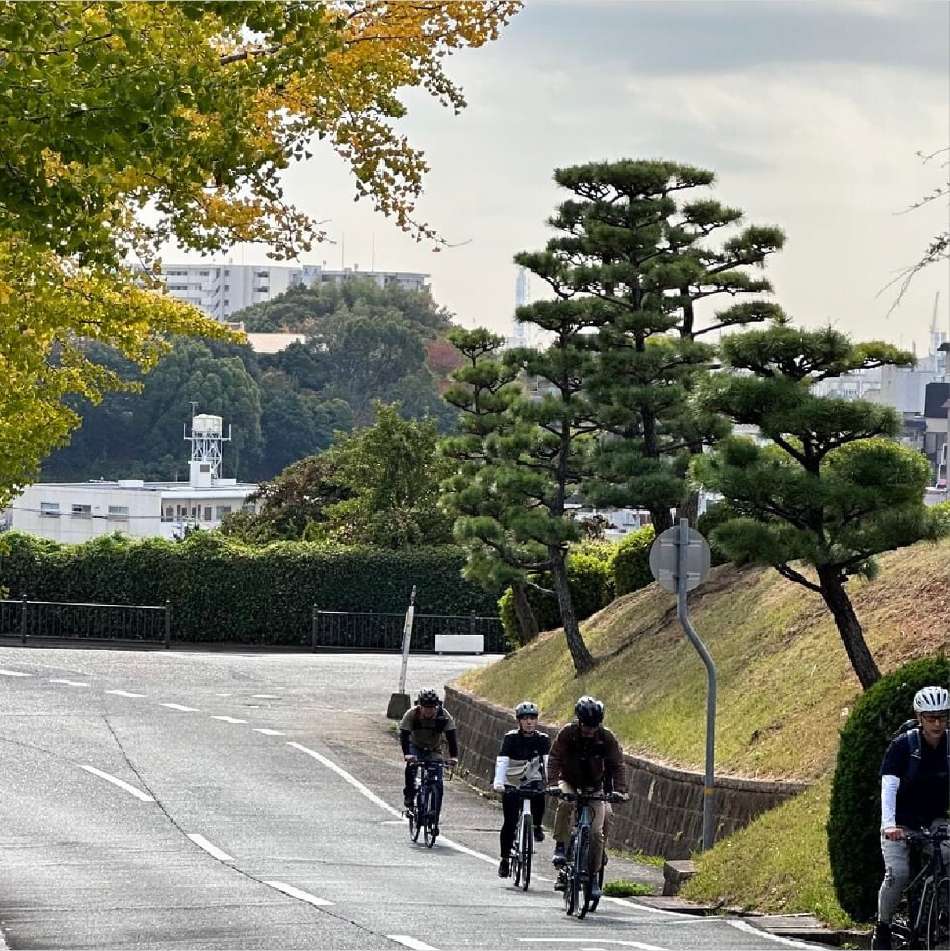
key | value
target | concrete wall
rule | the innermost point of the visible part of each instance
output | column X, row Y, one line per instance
column 665, row 812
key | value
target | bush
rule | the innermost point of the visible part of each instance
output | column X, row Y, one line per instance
column 221, row 590
column 632, row 562
column 854, row 847
column 713, row 517
column 589, row 578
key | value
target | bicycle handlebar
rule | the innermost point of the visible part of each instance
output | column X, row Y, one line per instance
column 926, row 835
column 580, row 797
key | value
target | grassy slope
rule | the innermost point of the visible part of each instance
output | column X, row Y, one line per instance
column 784, row 685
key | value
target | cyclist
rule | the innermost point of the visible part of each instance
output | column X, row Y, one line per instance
column 915, row 794
column 521, row 763
column 586, row 757
column 420, row 733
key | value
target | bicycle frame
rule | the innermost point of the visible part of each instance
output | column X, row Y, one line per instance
column 522, row 849
column 579, row 876
column 427, row 802
column 924, row 916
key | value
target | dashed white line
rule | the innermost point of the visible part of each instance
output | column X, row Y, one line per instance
column 145, row 797
column 69, row 683
column 125, row 693
column 762, row 933
column 229, row 719
column 409, row 942
column 264, row 696
column 625, row 943
column 14, row 673
column 297, row 893
column 203, row 843
column 269, row 732
column 181, row 707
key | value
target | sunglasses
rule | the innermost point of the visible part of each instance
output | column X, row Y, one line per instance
column 934, row 717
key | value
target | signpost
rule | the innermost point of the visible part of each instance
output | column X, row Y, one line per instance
column 399, row 701
column 679, row 560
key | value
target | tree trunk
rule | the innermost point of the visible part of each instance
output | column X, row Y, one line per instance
column 689, row 509
column 582, row 657
column 527, row 622
column 662, row 519
column 849, row 627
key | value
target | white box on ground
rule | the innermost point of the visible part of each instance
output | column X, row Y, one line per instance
column 460, row 643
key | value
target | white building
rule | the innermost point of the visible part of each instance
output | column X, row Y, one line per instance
column 221, row 290
column 75, row 512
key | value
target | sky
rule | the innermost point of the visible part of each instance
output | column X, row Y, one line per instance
column 811, row 114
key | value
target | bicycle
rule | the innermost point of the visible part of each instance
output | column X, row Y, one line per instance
column 579, row 877
column 427, row 802
column 922, row 919
column 522, row 849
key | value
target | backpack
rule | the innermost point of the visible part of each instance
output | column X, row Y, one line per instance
column 912, row 729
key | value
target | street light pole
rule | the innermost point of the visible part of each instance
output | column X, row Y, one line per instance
column 944, row 348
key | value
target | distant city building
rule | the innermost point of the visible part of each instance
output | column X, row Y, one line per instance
column 223, row 289
column 273, row 342
column 75, row 512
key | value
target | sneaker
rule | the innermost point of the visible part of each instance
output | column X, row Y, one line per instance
column 538, row 834
column 435, row 830
column 560, row 883
column 882, row 936
column 595, row 891
column 504, row 870
column 559, row 858
column 407, row 802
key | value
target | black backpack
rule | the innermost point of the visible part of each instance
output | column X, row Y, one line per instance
column 912, row 729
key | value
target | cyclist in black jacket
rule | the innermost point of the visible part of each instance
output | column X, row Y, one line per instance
column 420, row 733
column 521, row 763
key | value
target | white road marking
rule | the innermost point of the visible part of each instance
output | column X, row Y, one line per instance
column 761, row 933
column 203, row 843
column 297, row 893
column 178, row 706
column 229, row 719
column 145, row 797
column 69, row 683
column 643, row 946
column 14, row 673
column 268, row 732
column 125, row 693
column 222, row 695
column 264, row 696
column 413, row 943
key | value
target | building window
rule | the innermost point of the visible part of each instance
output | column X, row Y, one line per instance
column 207, row 517
column 221, row 511
column 49, row 509
column 82, row 511
column 119, row 513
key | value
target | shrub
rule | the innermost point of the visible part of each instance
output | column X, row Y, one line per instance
column 854, row 847
column 589, row 577
column 632, row 562
column 713, row 517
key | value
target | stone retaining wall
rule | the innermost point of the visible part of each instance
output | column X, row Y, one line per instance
column 665, row 813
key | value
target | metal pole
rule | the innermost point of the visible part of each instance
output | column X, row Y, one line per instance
column 709, row 788
column 168, row 624
column 406, row 638
column 313, row 629
column 23, row 619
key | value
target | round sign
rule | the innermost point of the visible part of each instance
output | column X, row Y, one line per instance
column 664, row 559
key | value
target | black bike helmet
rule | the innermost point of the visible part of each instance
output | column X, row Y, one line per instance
column 589, row 712
column 428, row 698
column 526, row 709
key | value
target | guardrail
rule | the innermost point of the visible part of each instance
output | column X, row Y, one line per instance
column 343, row 630
column 69, row 620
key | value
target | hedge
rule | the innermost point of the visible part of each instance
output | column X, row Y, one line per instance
column 223, row 591
column 631, row 566
column 854, row 841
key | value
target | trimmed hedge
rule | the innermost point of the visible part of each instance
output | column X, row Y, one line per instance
column 631, row 565
column 854, row 840
column 589, row 576
column 223, row 591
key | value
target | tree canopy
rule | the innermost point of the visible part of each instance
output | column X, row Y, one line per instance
column 127, row 124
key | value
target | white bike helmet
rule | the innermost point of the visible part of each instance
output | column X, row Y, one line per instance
column 931, row 700
column 526, row 709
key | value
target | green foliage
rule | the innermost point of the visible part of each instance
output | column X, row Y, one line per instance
column 624, row 888
column 941, row 514
column 224, row 591
column 631, row 566
column 589, row 574
column 854, row 816
column 714, row 516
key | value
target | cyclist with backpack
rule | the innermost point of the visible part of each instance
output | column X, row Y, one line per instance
column 521, row 764
column 420, row 734
column 586, row 757
column 915, row 794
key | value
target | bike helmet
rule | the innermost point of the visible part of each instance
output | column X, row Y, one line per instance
column 526, row 709
column 428, row 698
column 590, row 712
column 932, row 700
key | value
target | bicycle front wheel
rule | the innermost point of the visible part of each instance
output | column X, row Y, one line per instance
column 525, row 848
column 938, row 916
column 415, row 817
column 429, row 831
column 584, row 873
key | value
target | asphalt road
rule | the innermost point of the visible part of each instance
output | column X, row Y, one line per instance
column 205, row 800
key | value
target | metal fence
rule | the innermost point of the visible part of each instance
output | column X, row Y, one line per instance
column 62, row 620
column 340, row 630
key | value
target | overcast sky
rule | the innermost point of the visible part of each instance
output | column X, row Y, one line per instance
column 810, row 113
